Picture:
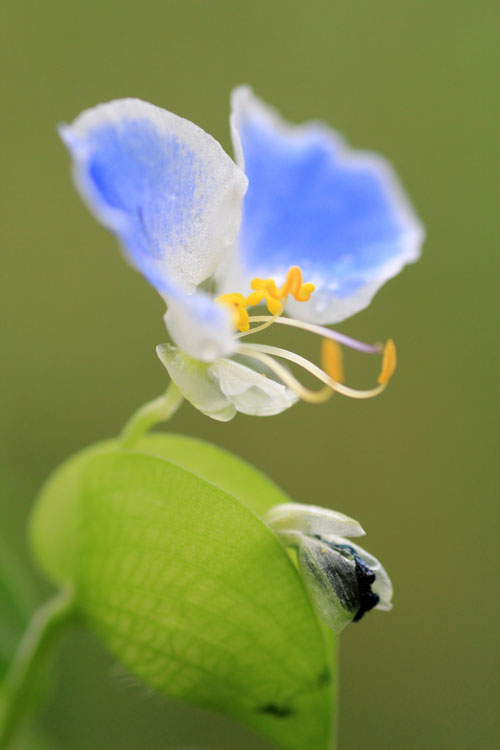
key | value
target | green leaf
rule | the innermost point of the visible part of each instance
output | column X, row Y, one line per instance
column 187, row 586
column 227, row 471
column 31, row 738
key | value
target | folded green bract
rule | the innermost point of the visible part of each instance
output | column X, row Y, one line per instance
column 178, row 574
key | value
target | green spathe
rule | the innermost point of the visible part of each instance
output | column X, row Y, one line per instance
column 55, row 513
column 187, row 586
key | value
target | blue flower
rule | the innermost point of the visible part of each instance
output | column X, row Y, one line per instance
column 182, row 212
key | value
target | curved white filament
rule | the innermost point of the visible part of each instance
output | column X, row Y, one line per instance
column 341, row 338
column 262, row 353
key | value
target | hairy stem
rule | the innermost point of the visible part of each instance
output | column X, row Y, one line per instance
column 147, row 416
column 47, row 623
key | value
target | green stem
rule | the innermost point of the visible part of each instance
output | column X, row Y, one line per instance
column 158, row 410
column 47, row 623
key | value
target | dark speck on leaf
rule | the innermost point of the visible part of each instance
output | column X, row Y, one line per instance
column 324, row 678
column 272, row 709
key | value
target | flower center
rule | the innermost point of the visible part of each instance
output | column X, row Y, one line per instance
column 331, row 372
column 265, row 290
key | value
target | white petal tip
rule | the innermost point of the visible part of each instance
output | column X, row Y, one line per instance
column 312, row 520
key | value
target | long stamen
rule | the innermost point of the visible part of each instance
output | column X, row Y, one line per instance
column 326, row 333
column 269, row 320
column 259, row 350
column 332, row 360
column 286, row 377
column 389, row 360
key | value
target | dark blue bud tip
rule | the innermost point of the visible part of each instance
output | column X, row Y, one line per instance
column 364, row 577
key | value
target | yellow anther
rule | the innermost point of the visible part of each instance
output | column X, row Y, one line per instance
column 255, row 297
column 305, row 291
column 268, row 286
column 293, row 281
column 389, row 361
column 273, row 305
column 237, row 304
column 293, row 285
column 331, row 360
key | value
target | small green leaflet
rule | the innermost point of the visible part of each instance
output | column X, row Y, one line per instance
column 17, row 601
column 187, row 586
column 15, row 605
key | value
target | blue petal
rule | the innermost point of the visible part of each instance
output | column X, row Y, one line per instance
column 338, row 214
column 163, row 185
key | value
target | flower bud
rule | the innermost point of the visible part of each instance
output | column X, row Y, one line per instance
column 343, row 580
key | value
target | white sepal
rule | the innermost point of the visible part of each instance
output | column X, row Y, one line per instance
column 194, row 382
column 251, row 392
column 221, row 388
column 312, row 520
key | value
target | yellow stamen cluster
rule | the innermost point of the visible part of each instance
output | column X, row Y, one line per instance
column 266, row 290
column 331, row 372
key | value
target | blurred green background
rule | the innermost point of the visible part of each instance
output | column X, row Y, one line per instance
column 414, row 80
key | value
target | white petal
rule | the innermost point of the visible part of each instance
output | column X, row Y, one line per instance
column 312, row 520
column 199, row 326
